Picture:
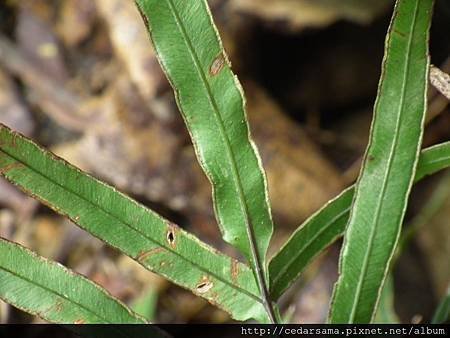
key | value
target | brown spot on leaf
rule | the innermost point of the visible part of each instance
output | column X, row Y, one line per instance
column 11, row 166
column 205, row 285
column 79, row 321
column 13, row 141
column 57, row 307
column 403, row 35
column 217, row 65
column 147, row 253
column 214, row 299
column 234, row 270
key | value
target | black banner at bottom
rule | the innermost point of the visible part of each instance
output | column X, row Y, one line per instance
column 219, row 331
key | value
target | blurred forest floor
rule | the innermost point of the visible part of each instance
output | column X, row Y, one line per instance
column 80, row 77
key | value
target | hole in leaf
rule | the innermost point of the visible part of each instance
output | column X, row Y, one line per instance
column 171, row 237
column 204, row 286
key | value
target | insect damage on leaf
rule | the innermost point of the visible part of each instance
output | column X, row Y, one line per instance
column 205, row 285
column 171, row 234
column 136, row 231
column 217, row 65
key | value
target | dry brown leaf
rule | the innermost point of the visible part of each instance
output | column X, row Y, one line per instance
column 132, row 45
column 299, row 14
column 36, row 39
column 13, row 112
column 300, row 178
column 75, row 21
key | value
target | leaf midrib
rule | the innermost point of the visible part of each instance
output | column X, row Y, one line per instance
column 235, row 174
column 424, row 162
column 135, row 230
column 307, row 244
column 54, row 292
column 441, row 159
column 392, row 152
column 212, row 101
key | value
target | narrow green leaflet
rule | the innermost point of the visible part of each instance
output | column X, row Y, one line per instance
column 386, row 311
column 308, row 241
column 442, row 314
column 432, row 160
column 146, row 304
column 429, row 209
column 54, row 293
column 388, row 171
column 211, row 101
column 328, row 224
column 157, row 244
